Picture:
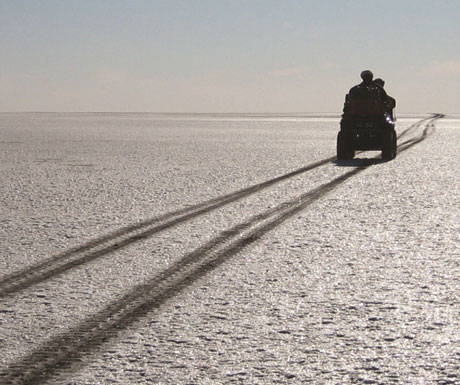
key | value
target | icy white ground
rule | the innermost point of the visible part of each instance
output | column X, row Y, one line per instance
column 127, row 259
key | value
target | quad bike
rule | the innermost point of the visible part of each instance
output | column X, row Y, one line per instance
column 365, row 126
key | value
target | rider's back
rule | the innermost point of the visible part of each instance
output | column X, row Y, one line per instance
column 364, row 100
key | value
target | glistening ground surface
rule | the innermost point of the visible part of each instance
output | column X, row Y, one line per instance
column 193, row 249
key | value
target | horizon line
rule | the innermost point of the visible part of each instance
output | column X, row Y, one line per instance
column 195, row 113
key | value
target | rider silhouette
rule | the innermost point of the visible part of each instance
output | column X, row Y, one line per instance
column 367, row 89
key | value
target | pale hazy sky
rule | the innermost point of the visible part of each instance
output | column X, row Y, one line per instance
column 225, row 55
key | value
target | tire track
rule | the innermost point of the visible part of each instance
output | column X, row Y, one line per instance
column 59, row 264
column 414, row 126
column 66, row 351
column 90, row 251
column 428, row 130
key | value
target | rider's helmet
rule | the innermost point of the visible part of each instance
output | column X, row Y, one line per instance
column 379, row 82
column 367, row 76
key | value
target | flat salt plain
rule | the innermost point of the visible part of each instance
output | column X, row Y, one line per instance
column 340, row 273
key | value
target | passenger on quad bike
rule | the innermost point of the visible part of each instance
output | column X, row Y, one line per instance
column 392, row 101
column 367, row 121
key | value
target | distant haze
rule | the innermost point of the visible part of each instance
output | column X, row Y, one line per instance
column 225, row 55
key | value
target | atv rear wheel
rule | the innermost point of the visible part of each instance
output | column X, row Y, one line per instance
column 345, row 146
column 389, row 145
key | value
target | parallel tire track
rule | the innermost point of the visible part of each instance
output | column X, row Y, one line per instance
column 416, row 125
column 65, row 351
column 128, row 235
column 59, row 264
column 427, row 131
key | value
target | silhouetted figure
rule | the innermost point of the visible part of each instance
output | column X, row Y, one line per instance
column 366, row 98
column 391, row 101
